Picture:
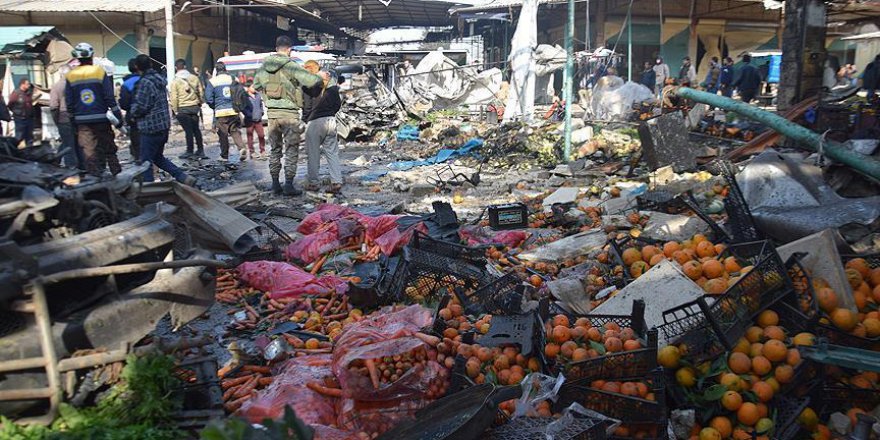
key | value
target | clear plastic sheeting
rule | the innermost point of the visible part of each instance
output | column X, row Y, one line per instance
column 614, row 99
column 521, row 99
column 789, row 199
column 537, row 387
column 438, row 83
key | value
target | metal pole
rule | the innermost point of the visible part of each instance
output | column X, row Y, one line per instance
column 169, row 42
column 629, row 44
column 587, row 31
column 567, row 80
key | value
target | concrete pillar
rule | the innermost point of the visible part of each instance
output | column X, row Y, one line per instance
column 600, row 23
column 803, row 51
column 692, row 35
column 141, row 37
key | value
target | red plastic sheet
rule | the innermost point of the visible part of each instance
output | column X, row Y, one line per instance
column 281, row 279
column 477, row 235
column 289, row 389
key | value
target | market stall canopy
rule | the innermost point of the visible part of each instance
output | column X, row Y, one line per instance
column 372, row 14
column 81, row 6
column 16, row 40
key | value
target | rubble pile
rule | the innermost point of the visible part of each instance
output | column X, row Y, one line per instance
column 368, row 108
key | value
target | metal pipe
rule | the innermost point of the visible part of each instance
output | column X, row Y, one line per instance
column 126, row 268
column 169, row 42
column 804, row 137
column 569, row 73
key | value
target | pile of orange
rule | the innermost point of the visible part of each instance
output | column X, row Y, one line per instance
column 865, row 283
column 580, row 340
column 641, row 390
column 699, row 258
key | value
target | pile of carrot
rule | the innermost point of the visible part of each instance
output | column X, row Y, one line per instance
column 229, row 289
column 243, row 384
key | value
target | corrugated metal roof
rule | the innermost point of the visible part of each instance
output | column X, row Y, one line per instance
column 81, row 5
column 15, row 39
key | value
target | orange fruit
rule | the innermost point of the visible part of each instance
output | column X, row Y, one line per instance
column 739, row 363
column 761, row 366
column 630, row 256
column 611, row 387
column 578, row 333
column 631, row 344
column 768, row 318
column 757, row 349
column 844, row 319
column 613, row 345
column 808, row 419
column 567, row 349
column 719, row 248
column 742, row 346
column 649, row 251
column 713, row 269
column 731, row 401
column 656, row 259
column 741, row 434
column 822, row 433
column 763, row 409
column 763, row 390
column 629, row 389
column 731, row 265
column 594, row 334
column 562, row 320
column 669, row 356
column 693, row 270
column 312, row 344
column 551, row 350
column 859, row 330
column 722, row 425
column 638, row 268
column 854, row 277
column 681, row 257
column 872, row 327
column 874, row 277
column 804, row 339
column 775, row 350
column 670, row 247
column 860, row 297
column 774, row 332
column 793, row 357
column 580, row 354
column 643, row 389
column 754, row 334
column 861, row 382
column 705, row 249
column 709, row 433
column 747, row 414
column 536, row 280
column 827, row 299
column 560, row 334
column 773, row 384
column 860, row 265
column 732, row 381
column 715, row 286
column 852, row 414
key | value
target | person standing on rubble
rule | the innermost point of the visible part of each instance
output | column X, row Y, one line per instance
column 712, row 75
column 89, row 98
column 748, row 80
column 253, row 123
column 187, row 97
column 280, row 79
column 649, row 77
column 725, row 77
column 21, row 104
column 687, row 75
column 150, row 111
column 58, row 108
column 227, row 97
column 126, row 96
column 661, row 70
column 321, row 134
column 871, row 78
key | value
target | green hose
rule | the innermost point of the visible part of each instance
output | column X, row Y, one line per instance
column 804, row 137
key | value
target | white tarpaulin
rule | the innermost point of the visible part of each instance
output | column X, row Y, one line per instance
column 521, row 101
column 438, row 82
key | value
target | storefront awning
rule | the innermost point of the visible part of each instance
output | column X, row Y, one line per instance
column 17, row 39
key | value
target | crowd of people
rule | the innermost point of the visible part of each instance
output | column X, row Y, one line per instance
column 720, row 77
column 301, row 103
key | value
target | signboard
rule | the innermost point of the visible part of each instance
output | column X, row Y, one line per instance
column 282, row 23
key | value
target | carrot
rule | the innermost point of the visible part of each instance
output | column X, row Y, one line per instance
column 236, row 404
column 229, row 383
column 337, row 316
column 317, row 266
column 374, row 373
column 257, row 369
column 329, row 305
column 343, row 305
column 321, row 389
column 227, row 395
column 225, row 277
column 427, row 339
column 224, row 371
column 251, row 310
column 314, row 350
column 249, row 386
column 265, row 381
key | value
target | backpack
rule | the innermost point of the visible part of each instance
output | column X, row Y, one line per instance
column 275, row 87
column 240, row 99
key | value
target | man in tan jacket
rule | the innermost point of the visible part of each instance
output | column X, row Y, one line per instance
column 187, row 97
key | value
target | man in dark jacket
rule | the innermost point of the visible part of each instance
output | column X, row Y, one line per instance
column 321, row 134
column 220, row 94
column 725, row 78
column 58, row 108
column 871, row 78
column 89, row 97
column 150, row 111
column 649, row 77
column 126, row 94
column 749, row 80
column 21, row 104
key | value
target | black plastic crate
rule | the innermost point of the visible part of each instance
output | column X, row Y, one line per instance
column 616, row 365
column 660, row 201
column 739, row 217
column 766, row 283
column 422, row 273
column 787, row 411
column 720, row 235
column 472, row 254
column 660, row 428
column 873, row 260
column 534, row 428
column 706, row 330
column 524, row 330
column 627, row 409
column 618, row 246
column 503, row 296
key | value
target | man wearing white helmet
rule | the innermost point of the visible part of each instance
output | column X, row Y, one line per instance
column 89, row 96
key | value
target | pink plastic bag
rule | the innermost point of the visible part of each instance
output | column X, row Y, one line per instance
column 311, row 247
column 376, row 417
column 325, row 214
column 476, row 235
column 282, row 279
column 394, row 240
column 386, row 338
column 289, row 389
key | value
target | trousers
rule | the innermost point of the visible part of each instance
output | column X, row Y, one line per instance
column 321, row 140
column 189, row 120
column 99, row 147
column 261, row 136
column 229, row 125
column 284, row 138
column 153, row 150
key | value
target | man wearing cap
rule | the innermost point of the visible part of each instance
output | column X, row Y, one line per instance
column 90, row 98
column 280, row 80
column 224, row 95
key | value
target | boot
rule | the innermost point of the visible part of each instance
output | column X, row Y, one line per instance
column 200, row 154
column 186, row 155
column 276, row 186
column 290, row 189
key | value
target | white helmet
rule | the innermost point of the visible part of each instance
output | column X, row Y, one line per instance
column 83, row 50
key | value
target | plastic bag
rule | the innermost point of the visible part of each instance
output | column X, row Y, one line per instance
column 289, row 388
column 311, row 247
column 536, row 387
column 325, row 214
column 367, row 348
column 616, row 100
column 476, row 235
column 376, row 417
column 282, row 279
column 575, row 411
column 393, row 240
